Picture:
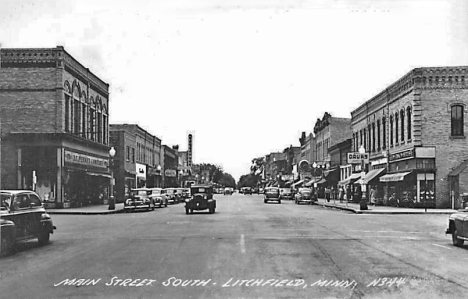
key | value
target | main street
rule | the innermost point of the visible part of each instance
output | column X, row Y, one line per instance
column 247, row 249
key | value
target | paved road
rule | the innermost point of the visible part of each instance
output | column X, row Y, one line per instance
column 247, row 249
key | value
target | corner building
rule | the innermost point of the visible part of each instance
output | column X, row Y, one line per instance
column 54, row 126
column 415, row 129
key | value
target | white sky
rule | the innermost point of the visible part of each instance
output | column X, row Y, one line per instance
column 245, row 76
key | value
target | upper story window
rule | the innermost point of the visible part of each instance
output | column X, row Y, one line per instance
column 457, row 120
column 402, row 119
column 396, row 128
column 384, row 133
column 408, row 125
column 378, row 135
column 391, row 130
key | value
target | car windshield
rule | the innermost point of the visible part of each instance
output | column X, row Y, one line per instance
column 156, row 192
column 5, row 200
column 272, row 190
column 199, row 190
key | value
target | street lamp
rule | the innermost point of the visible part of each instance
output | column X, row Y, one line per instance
column 112, row 182
column 159, row 176
column 363, row 204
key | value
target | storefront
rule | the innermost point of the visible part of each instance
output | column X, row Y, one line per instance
column 140, row 177
column 411, row 177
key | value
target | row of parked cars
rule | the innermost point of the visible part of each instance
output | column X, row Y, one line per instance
column 150, row 198
column 302, row 195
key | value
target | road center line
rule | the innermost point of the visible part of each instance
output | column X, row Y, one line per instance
column 242, row 243
column 442, row 246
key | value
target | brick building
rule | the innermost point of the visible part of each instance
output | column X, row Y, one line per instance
column 415, row 129
column 170, row 165
column 54, row 126
column 138, row 155
column 329, row 131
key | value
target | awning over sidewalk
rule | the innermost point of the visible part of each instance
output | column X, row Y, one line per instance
column 394, row 177
column 298, row 183
column 371, row 175
column 351, row 179
column 101, row 174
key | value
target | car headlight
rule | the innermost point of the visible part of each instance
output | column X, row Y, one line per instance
column 45, row 216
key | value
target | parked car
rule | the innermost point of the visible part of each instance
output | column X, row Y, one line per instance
column 272, row 194
column 286, row 193
column 261, row 190
column 303, row 195
column 458, row 227
column 139, row 198
column 23, row 217
column 159, row 197
column 172, row 195
column 201, row 199
column 185, row 193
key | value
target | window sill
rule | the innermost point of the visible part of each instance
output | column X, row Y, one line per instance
column 457, row 137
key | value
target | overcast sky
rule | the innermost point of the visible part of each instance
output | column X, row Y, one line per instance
column 245, row 76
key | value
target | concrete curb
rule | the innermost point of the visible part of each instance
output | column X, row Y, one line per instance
column 416, row 212
column 84, row 212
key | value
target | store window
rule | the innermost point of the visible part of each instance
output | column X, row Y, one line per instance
column 457, row 120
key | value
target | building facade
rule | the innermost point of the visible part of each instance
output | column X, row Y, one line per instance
column 136, row 160
column 170, row 166
column 415, row 129
column 54, row 127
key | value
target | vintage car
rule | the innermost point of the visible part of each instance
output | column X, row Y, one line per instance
column 286, row 193
column 303, row 195
column 201, row 199
column 180, row 194
column 272, row 194
column 159, row 197
column 458, row 227
column 228, row 191
column 185, row 193
column 23, row 217
column 172, row 197
column 247, row 190
column 139, row 198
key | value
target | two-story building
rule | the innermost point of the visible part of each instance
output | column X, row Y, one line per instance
column 415, row 128
column 54, row 115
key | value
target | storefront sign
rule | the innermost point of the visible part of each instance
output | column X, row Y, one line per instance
column 287, row 177
column 357, row 158
column 140, row 170
column 72, row 157
column 170, row 173
column 402, row 155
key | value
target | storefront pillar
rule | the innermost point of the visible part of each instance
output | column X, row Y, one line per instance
column 58, row 193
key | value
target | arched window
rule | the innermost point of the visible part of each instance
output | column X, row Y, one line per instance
column 68, row 104
column 76, row 108
column 396, row 128
column 92, row 119
column 84, row 115
column 373, row 137
column 378, row 135
column 457, row 120
column 408, row 121
column 384, row 133
column 369, row 139
column 402, row 119
column 360, row 139
column 391, row 130
column 365, row 139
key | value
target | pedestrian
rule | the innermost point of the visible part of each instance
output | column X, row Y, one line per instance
column 327, row 193
column 372, row 196
column 341, row 194
column 348, row 193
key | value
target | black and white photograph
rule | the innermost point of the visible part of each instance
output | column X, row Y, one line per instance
column 233, row 149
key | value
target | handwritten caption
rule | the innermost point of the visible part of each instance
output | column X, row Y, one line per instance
column 232, row 282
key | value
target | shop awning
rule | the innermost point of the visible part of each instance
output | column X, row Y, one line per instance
column 297, row 183
column 459, row 168
column 101, row 174
column 351, row 179
column 374, row 173
column 322, row 181
column 394, row 177
column 288, row 182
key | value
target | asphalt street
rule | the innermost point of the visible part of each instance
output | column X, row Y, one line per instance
column 247, row 249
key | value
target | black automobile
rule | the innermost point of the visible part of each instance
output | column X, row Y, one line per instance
column 201, row 199
column 23, row 217
column 247, row 190
column 272, row 194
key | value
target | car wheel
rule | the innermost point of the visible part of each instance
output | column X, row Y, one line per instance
column 214, row 210
column 457, row 242
column 191, row 211
column 7, row 245
column 165, row 204
column 265, row 201
column 44, row 238
column 186, row 211
column 279, row 201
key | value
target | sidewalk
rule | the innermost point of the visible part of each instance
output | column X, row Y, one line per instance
column 89, row 210
column 355, row 208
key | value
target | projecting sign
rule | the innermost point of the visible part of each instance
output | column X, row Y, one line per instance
column 357, row 158
column 170, row 173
